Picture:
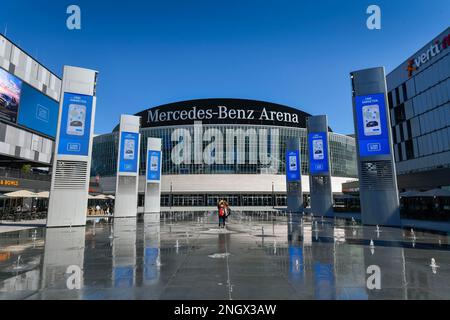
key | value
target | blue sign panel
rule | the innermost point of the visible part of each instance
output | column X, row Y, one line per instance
column 372, row 125
column 129, row 145
column 318, row 153
column 296, row 262
column 153, row 165
column 150, row 263
column 37, row 111
column 292, row 165
column 75, row 130
column 123, row 277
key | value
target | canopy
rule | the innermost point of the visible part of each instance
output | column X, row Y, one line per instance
column 411, row 194
column 111, row 197
column 21, row 194
column 90, row 196
column 436, row 193
column 345, row 196
column 43, row 194
column 101, row 197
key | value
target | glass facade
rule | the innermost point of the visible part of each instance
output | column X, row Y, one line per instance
column 419, row 112
column 238, row 149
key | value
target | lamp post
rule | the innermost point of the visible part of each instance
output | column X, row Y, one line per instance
column 273, row 197
column 171, row 197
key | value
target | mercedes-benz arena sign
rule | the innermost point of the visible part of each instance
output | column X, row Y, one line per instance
column 223, row 111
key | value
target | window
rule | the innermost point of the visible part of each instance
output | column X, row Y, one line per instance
column 405, row 96
column 409, row 149
column 391, row 105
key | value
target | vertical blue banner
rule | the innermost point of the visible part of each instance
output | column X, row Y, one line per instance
column 318, row 153
column 372, row 125
column 292, row 165
column 129, row 146
column 153, row 165
column 75, row 130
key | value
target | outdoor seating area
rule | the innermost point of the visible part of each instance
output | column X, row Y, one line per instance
column 100, row 205
column 429, row 205
column 27, row 205
column 23, row 205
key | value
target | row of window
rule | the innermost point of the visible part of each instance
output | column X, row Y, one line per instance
column 270, row 148
column 211, row 200
column 432, row 143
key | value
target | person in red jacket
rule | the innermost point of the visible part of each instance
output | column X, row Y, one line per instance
column 222, row 213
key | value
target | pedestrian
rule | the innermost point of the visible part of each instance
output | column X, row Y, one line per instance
column 222, row 213
column 227, row 209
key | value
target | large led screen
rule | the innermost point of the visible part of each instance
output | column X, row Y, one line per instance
column 372, row 125
column 292, row 165
column 10, row 88
column 153, row 165
column 129, row 152
column 37, row 111
column 75, row 131
column 318, row 153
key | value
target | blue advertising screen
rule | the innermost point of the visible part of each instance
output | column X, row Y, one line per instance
column 372, row 125
column 129, row 144
column 318, row 154
column 75, row 128
column 153, row 165
column 292, row 165
column 37, row 111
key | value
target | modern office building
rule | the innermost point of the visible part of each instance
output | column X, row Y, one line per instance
column 419, row 99
column 29, row 106
column 223, row 148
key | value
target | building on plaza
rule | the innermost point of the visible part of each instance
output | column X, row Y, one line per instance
column 419, row 98
column 29, row 106
column 223, row 148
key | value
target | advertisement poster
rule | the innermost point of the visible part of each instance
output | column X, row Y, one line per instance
column 318, row 155
column 129, row 152
column 75, row 129
column 372, row 125
column 10, row 90
column 37, row 111
column 153, row 165
column 292, row 165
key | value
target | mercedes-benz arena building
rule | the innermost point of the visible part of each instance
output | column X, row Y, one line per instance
column 231, row 149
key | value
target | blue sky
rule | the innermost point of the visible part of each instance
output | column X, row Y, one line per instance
column 297, row 53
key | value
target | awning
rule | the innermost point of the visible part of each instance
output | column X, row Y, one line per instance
column 411, row 194
column 101, row 197
column 21, row 194
column 436, row 193
column 43, row 194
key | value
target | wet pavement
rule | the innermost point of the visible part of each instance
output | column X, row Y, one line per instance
column 186, row 256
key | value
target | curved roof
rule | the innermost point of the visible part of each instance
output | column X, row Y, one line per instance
column 222, row 111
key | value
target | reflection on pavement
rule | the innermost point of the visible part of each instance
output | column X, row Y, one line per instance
column 186, row 256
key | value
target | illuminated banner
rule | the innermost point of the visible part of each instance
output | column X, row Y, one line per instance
column 10, row 88
column 224, row 111
column 318, row 154
column 292, row 165
column 372, row 125
column 129, row 152
column 153, row 165
column 74, row 135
